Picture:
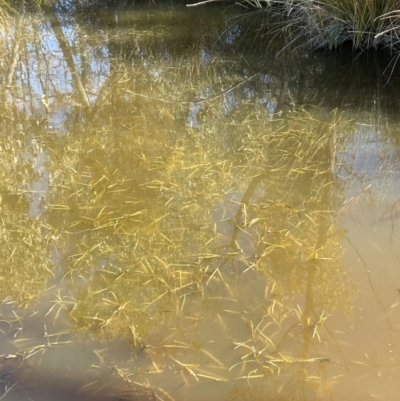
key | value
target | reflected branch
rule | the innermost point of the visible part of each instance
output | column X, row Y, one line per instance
column 15, row 52
column 59, row 34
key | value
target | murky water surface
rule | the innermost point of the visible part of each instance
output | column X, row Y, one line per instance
column 187, row 216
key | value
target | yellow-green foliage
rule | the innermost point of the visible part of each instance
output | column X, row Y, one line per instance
column 4, row 9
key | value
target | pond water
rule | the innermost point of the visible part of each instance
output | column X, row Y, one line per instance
column 189, row 213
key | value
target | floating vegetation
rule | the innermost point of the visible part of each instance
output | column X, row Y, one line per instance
column 167, row 223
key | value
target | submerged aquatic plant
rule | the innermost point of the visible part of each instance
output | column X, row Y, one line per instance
column 5, row 10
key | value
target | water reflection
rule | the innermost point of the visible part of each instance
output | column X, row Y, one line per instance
column 179, row 222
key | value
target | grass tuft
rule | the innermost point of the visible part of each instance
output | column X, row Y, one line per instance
column 365, row 24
